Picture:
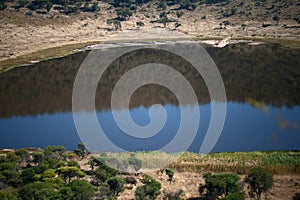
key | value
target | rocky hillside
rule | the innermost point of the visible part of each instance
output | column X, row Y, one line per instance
column 27, row 26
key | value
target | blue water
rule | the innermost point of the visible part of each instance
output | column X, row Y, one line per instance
column 246, row 128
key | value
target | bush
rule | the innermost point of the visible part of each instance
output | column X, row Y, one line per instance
column 116, row 185
column 235, row 196
column 104, row 173
column 140, row 23
column 170, row 174
column 38, row 190
column 136, row 163
column 22, row 3
column 150, row 190
column 259, row 181
column 2, row 5
column 219, row 185
column 82, row 189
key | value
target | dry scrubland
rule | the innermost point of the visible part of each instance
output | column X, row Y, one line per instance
column 26, row 29
column 55, row 170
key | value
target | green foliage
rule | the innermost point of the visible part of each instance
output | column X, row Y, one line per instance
column 38, row 191
column 150, row 190
column 66, row 193
column 103, row 173
column 2, row 5
column 276, row 19
column 82, row 189
column 179, row 13
column 12, row 157
column 10, row 177
column 55, row 152
column 162, row 5
column 124, row 14
column 87, row 8
column 235, row 196
column 170, row 174
column 81, row 150
column 9, row 194
column 22, row 3
column 23, row 154
column 140, row 23
column 187, row 4
column 135, row 162
column 9, row 174
column 233, row 10
column 116, row 185
column 73, row 163
column 68, row 172
column 259, row 181
column 219, row 185
column 39, row 4
column 38, row 157
column 176, row 25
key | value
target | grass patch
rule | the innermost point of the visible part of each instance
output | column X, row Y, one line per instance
column 276, row 162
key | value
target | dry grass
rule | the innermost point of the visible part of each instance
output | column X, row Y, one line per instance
column 44, row 54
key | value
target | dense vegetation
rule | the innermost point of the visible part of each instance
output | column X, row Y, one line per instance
column 54, row 173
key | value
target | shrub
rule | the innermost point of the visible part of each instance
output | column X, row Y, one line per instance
column 259, row 181
column 8, row 194
column 82, row 189
column 38, row 190
column 135, row 162
column 170, row 174
column 235, row 196
column 116, row 185
column 140, row 23
column 150, row 190
column 219, row 185
column 104, row 172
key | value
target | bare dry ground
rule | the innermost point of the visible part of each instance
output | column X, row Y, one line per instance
column 24, row 31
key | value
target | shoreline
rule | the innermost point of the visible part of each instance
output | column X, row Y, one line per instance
column 68, row 49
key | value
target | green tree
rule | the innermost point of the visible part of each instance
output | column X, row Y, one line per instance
column 219, row 185
column 104, row 172
column 259, row 181
column 38, row 191
column 81, row 150
column 276, row 19
column 66, row 193
column 55, row 152
column 150, row 190
column 12, row 157
column 116, row 185
column 22, row 3
column 170, row 174
column 8, row 193
column 82, row 189
column 24, row 155
column 176, row 25
column 68, row 172
column 73, row 163
column 38, row 157
column 135, row 162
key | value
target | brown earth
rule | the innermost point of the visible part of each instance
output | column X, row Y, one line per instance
column 23, row 31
